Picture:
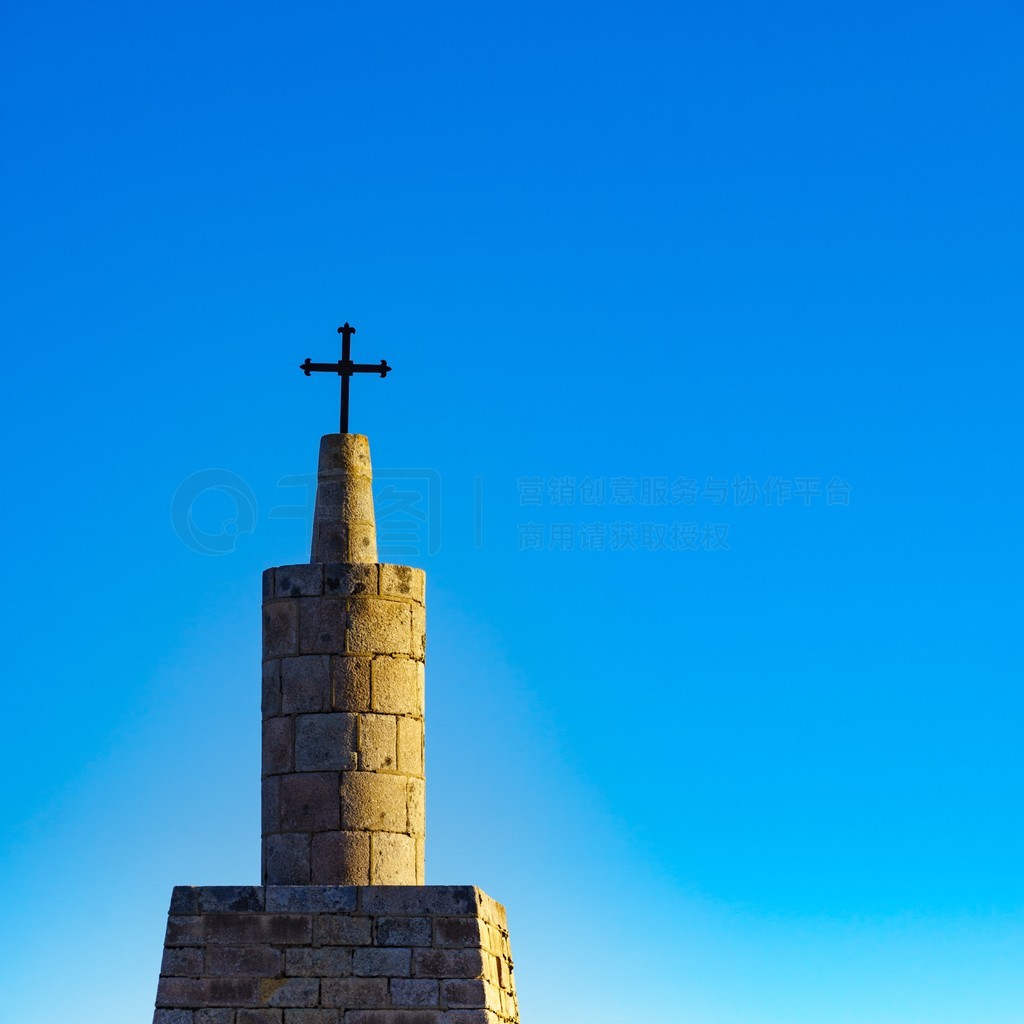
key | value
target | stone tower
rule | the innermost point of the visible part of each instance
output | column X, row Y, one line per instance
column 342, row 929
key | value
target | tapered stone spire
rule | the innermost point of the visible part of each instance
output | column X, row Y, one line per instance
column 343, row 523
column 343, row 650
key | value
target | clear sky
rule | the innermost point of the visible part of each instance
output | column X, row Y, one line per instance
column 706, row 324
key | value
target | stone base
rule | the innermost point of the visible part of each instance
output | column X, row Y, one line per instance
column 325, row 954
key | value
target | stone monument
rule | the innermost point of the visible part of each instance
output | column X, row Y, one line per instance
column 342, row 928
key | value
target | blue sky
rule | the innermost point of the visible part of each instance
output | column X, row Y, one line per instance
column 733, row 289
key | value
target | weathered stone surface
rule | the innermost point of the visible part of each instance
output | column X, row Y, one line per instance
column 404, row 931
column 341, row 858
column 374, row 802
column 374, row 962
column 182, row 962
column 324, row 742
column 185, row 899
column 330, row 962
column 172, row 1017
column 344, row 930
column 338, row 951
column 350, row 683
column 299, row 580
column 278, row 745
column 243, row 961
column 402, row 581
column 378, row 625
column 290, row 991
column 416, row 798
column 260, row 1016
column 346, row 993
column 305, row 684
column 271, row 702
column 311, row 898
column 350, row 580
column 392, row 858
column 395, row 686
column 448, row 963
column 309, row 801
column 457, row 931
column 287, row 859
column 322, row 624
column 410, row 745
column 377, row 743
column 415, row 992
column 280, row 629
column 220, row 1015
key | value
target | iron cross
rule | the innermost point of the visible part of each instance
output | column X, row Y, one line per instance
column 344, row 368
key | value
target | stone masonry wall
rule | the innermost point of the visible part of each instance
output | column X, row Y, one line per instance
column 343, row 781
column 335, row 955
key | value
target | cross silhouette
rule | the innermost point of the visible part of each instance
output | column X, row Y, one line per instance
column 344, row 368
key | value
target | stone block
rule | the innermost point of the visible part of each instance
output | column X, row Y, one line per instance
column 395, row 1017
column 322, row 623
column 182, row 962
column 448, row 963
column 377, row 625
column 373, row 802
column 199, row 992
column 395, row 686
column 350, row 579
column 287, row 858
column 414, row 992
column 271, row 803
column 343, row 930
column 474, row 994
column 253, row 929
column 350, row 683
column 172, row 1017
column 237, row 898
column 290, row 991
column 280, row 629
column 471, row 1017
column 311, row 898
column 404, row 931
column 278, row 745
column 262, row 1016
column 311, row 1017
column 305, row 683
column 341, row 858
column 419, row 631
column 448, row 900
column 377, row 743
column 392, row 859
column 268, row 584
column 458, row 932
column 184, row 930
column 271, row 702
column 346, row 993
column 362, row 542
column 332, row 962
column 374, row 962
column 403, row 581
column 324, row 742
column 243, row 961
column 299, row 580
column 417, row 806
column 217, row 1015
column 185, row 899
column 410, row 745
column 309, row 802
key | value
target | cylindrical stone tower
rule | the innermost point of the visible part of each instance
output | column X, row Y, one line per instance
column 343, row 647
